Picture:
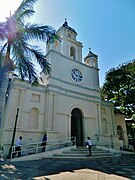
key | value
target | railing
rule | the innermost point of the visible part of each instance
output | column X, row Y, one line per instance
column 106, row 141
column 35, row 147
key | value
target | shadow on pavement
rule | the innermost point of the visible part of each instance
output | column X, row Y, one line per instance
column 104, row 168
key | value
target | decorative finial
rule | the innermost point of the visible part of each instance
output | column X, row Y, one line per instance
column 89, row 49
column 65, row 23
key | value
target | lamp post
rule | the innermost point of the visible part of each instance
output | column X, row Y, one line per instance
column 133, row 127
column 14, row 132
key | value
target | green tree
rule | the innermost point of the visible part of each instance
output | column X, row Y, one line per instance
column 119, row 87
column 16, row 52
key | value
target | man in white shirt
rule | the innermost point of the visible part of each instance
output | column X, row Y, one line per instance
column 18, row 147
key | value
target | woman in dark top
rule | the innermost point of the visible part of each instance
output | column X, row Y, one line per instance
column 44, row 140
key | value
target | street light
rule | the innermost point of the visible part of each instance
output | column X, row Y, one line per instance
column 133, row 127
column 14, row 132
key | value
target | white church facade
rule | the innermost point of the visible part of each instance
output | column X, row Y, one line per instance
column 67, row 103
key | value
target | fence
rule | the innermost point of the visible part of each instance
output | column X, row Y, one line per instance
column 35, row 147
column 106, row 141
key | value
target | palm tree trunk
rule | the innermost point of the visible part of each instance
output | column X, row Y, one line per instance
column 3, row 90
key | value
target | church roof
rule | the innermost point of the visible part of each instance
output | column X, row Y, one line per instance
column 68, row 27
column 91, row 54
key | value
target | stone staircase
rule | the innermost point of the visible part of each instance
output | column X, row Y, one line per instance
column 82, row 153
column 73, row 153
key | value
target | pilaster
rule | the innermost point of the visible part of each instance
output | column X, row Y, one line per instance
column 51, row 113
column 99, row 124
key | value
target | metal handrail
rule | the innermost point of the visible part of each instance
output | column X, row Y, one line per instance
column 35, row 147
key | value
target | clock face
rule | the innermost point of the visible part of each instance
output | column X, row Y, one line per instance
column 76, row 75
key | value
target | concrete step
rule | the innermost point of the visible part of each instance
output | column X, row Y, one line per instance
column 82, row 153
column 85, row 151
column 81, row 158
column 69, row 155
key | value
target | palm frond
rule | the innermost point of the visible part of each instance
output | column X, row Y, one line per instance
column 37, row 32
column 23, row 57
column 52, row 37
column 17, row 35
column 25, row 68
column 2, row 49
column 42, row 61
column 20, row 59
column 3, row 31
column 24, row 14
column 2, row 53
column 26, row 4
column 25, row 10
column 33, row 52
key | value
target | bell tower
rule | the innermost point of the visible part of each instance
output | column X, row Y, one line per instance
column 91, row 59
column 68, row 45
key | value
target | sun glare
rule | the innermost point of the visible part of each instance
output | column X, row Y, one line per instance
column 7, row 6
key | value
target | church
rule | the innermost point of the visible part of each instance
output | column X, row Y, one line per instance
column 67, row 103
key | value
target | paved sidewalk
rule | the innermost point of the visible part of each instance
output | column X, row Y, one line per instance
column 117, row 168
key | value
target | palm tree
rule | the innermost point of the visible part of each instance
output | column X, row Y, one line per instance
column 16, row 52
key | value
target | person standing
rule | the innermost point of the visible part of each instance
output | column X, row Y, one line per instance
column 17, row 147
column 44, row 140
column 89, row 145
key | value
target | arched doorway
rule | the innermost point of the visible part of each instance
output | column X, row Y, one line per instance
column 76, row 126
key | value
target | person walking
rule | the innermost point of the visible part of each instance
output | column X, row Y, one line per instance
column 17, row 147
column 44, row 140
column 89, row 145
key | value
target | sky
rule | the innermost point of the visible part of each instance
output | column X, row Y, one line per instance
column 105, row 26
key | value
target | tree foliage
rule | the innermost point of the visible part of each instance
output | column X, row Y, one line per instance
column 16, row 33
column 119, row 87
column 16, row 50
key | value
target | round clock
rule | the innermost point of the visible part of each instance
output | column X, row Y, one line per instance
column 76, row 75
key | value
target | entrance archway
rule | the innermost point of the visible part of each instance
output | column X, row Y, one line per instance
column 76, row 126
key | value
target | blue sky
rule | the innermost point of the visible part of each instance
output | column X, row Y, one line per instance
column 105, row 26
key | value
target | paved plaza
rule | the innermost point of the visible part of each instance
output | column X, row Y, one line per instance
column 120, row 168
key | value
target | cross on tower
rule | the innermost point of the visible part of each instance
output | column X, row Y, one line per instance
column 65, row 23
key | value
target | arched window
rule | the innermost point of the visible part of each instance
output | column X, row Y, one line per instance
column 120, row 133
column 72, row 52
column 34, row 117
column 56, row 44
column 69, row 35
column 95, row 63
